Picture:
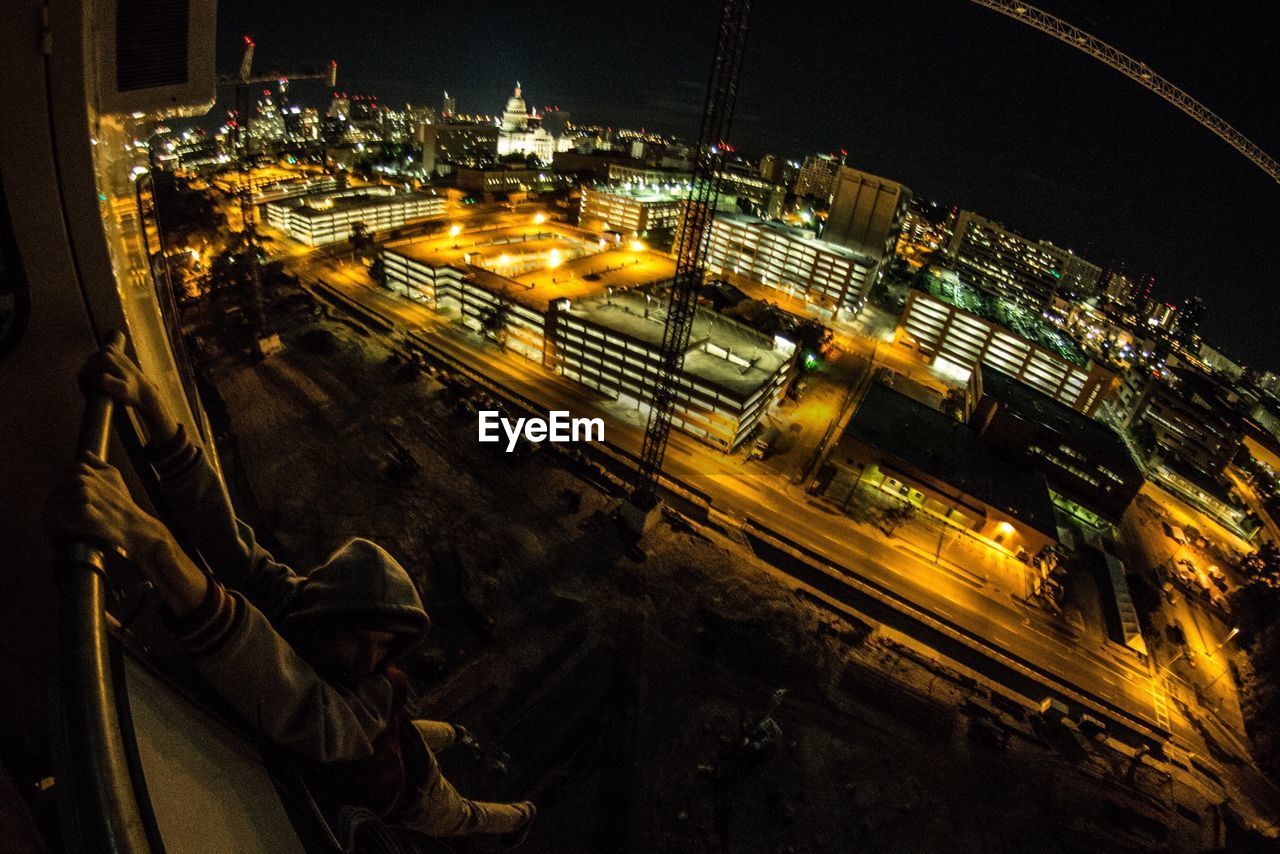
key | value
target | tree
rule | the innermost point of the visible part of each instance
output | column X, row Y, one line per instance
column 378, row 271
column 894, row 518
column 956, row 402
column 361, row 241
column 494, row 321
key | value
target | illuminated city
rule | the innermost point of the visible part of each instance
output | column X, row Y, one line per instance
column 808, row 457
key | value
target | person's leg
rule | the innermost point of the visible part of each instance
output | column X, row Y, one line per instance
column 437, row 734
column 438, row 810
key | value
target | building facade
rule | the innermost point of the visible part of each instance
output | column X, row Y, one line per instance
column 817, row 176
column 867, row 213
column 631, row 211
column 1010, row 266
column 791, row 260
column 1187, row 415
column 1085, row 461
column 324, row 218
column 939, row 330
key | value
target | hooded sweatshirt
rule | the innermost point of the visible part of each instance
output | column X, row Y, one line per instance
column 235, row 636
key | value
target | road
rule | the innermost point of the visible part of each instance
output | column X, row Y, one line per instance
column 976, row 604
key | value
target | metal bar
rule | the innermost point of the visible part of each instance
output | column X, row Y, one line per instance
column 100, row 810
column 1137, row 71
column 691, row 249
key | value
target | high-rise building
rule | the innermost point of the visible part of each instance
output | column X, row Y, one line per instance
column 417, row 118
column 1190, row 313
column 339, row 106
column 448, row 106
column 817, row 177
column 267, row 124
column 457, row 142
column 866, row 213
column 771, row 168
column 1076, row 276
column 556, row 122
column 1008, row 265
column 1118, row 287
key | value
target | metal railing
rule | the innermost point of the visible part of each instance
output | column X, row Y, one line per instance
column 97, row 801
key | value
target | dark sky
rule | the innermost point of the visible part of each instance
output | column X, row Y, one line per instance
column 958, row 102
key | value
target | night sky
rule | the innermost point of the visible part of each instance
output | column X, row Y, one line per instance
column 958, row 102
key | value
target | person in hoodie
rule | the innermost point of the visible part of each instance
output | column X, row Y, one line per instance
column 309, row 660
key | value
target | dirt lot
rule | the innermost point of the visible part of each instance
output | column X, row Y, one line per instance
column 615, row 685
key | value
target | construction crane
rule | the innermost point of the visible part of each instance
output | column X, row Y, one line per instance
column 248, row 214
column 244, row 79
column 1135, row 70
column 691, row 248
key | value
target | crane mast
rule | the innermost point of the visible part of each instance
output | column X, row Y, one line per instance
column 243, row 79
column 691, row 245
column 1137, row 71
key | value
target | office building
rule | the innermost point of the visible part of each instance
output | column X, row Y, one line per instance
column 448, row 106
column 1118, row 287
column 1007, row 265
column 452, row 143
column 1185, row 414
column 323, row 218
column 817, row 177
column 1076, row 277
column 867, row 213
column 790, row 260
column 634, row 210
column 1190, row 314
column 1090, row 469
column 555, row 121
column 771, row 168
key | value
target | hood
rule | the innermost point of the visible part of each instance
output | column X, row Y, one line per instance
column 362, row 584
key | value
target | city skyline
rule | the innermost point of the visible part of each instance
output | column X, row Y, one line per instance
column 975, row 139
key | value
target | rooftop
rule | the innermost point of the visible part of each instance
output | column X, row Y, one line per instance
column 1087, row 433
column 751, row 359
column 324, row 204
column 536, row 263
column 946, row 449
column 794, row 234
column 947, row 286
column 651, row 193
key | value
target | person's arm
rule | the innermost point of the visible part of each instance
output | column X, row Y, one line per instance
column 195, row 495
column 231, row 642
column 243, row 658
